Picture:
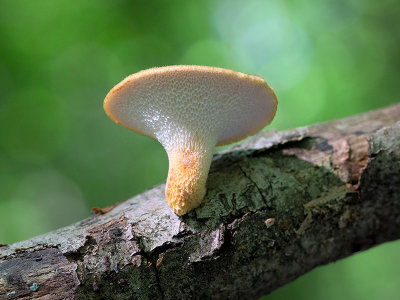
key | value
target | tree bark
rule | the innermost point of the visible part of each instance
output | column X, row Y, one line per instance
column 277, row 206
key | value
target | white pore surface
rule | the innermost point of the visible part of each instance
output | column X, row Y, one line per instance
column 192, row 103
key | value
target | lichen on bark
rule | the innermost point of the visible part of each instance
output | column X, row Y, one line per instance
column 277, row 206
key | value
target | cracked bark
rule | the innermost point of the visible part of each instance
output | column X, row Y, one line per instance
column 277, row 206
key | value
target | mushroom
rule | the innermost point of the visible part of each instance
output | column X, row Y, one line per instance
column 190, row 110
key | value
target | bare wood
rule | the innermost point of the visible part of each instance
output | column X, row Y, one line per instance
column 277, row 206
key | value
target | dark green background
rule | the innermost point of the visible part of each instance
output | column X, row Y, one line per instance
column 60, row 154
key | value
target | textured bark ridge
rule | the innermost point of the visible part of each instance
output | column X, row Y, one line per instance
column 277, row 206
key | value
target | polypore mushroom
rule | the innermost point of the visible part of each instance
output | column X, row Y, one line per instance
column 189, row 110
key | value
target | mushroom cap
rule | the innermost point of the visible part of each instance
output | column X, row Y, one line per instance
column 206, row 101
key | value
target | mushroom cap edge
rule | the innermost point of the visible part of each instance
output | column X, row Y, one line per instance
column 182, row 68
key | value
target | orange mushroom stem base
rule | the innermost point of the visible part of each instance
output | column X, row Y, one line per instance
column 187, row 177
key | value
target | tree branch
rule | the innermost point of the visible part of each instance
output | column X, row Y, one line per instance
column 277, row 206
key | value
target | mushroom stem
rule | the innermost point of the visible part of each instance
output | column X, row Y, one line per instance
column 187, row 176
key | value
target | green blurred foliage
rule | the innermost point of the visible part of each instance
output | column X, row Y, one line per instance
column 61, row 155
